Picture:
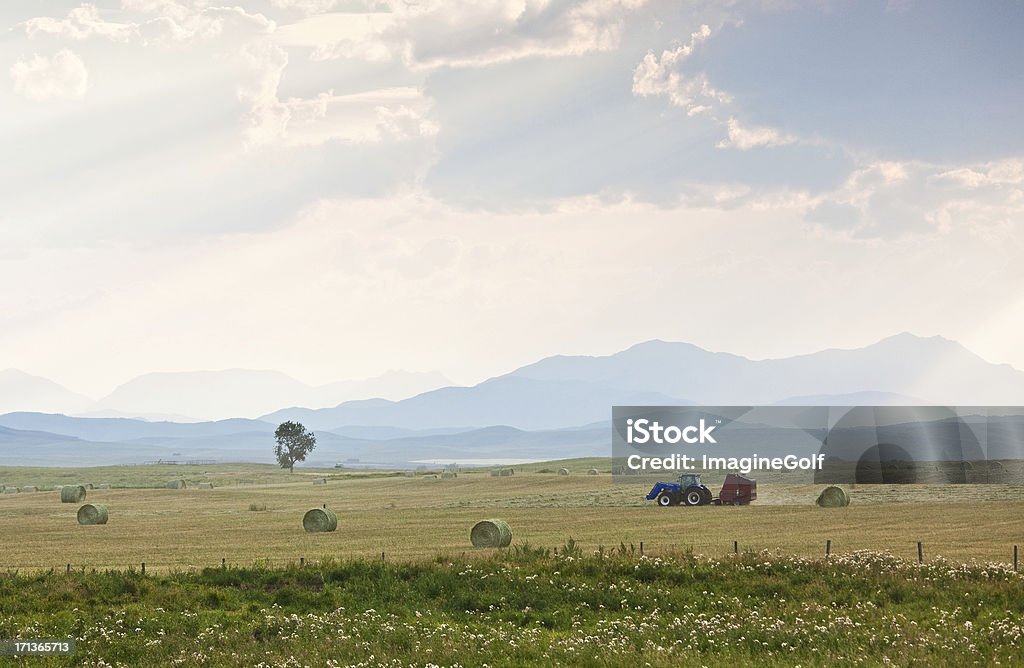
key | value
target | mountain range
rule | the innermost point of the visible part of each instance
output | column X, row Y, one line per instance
column 557, row 407
column 204, row 395
column 567, row 390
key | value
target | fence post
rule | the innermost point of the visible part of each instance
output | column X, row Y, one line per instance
column 382, row 555
column 143, row 567
column 920, row 553
column 641, row 549
column 223, row 562
column 735, row 547
column 302, row 561
column 69, row 565
column 1014, row 558
column 828, row 548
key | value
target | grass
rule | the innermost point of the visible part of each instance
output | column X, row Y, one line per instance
column 595, row 599
column 423, row 517
column 526, row 607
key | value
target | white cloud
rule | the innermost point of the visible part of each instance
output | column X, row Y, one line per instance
column 464, row 33
column 892, row 199
column 387, row 114
column 81, row 23
column 159, row 21
column 62, row 77
column 660, row 76
column 751, row 136
column 308, row 6
column 1004, row 172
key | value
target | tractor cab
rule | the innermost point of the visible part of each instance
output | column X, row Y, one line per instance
column 689, row 479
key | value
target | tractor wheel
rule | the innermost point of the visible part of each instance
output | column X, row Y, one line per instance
column 665, row 500
column 693, row 497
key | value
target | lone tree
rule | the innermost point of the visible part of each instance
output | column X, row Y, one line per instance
column 293, row 444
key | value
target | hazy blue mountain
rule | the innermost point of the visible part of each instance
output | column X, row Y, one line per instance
column 210, row 395
column 124, row 429
column 20, row 391
column 934, row 370
column 563, row 391
column 38, row 448
column 35, row 448
column 867, row 398
column 541, row 406
column 524, row 403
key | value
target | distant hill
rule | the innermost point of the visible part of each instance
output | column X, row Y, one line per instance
column 564, row 391
column 36, row 448
column 935, row 370
column 124, row 429
column 20, row 391
column 211, row 395
column 525, row 403
column 557, row 407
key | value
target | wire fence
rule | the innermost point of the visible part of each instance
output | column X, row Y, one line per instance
column 914, row 552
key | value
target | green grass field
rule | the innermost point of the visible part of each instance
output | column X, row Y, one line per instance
column 528, row 607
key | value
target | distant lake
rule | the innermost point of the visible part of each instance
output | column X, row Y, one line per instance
column 477, row 462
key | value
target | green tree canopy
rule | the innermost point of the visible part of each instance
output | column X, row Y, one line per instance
column 293, row 444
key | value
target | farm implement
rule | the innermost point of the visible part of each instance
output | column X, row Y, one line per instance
column 690, row 491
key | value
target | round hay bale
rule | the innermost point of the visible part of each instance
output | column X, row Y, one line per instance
column 72, row 494
column 833, row 497
column 996, row 466
column 28, row 488
column 176, row 484
column 92, row 514
column 410, row 474
column 103, row 486
column 206, row 485
column 592, row 472
column 507, row 472
column 491, row 533
column 320, row 481
column 563, row 471
column 319, row 520
column 10, row 490
column 449, row 474
column 496, row 473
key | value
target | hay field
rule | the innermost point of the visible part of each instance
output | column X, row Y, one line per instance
column 422, row 517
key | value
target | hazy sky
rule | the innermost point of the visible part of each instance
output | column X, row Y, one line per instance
column 335, row 188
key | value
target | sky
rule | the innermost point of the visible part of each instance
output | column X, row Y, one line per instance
column 337, row 188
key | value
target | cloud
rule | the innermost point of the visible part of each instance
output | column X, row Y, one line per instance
column 461, row 33
column 387, row 114
column 999, row 173
column 886, row 199
column 307, row 6
column 747, row 137
column 660, row 76
column 160, row 21
column 81, row 23
column 62, row 77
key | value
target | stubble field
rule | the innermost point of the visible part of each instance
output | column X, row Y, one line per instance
column 422, row 517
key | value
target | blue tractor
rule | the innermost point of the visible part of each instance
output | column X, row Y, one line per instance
column 688, row 491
